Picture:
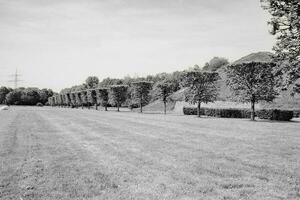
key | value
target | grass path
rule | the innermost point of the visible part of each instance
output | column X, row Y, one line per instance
column 51, row 153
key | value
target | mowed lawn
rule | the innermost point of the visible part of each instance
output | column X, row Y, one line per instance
column 60, row 153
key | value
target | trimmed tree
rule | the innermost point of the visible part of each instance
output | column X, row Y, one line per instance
column 200, row 87
column 164, row 88
column 117, row 95
column 102, row 96
column 140, row 92
column 252, row 82
column 92, row 97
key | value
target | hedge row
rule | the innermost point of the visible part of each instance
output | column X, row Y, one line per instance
column 271, row 114
column 274, row 114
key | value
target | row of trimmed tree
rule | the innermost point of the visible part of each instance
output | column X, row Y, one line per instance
column 249, row 82
column 114, row 95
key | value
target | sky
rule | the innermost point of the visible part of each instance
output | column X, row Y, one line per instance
column 59, row 43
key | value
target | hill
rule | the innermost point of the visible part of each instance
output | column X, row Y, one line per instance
column 255, row 57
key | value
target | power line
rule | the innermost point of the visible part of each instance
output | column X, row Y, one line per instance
column 16, row 79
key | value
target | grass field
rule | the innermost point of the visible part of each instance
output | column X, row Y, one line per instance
column 59, row 153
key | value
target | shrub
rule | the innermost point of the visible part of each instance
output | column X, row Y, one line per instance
column 39, row 104
column 218, row 112
column 274, row 114
column 192, row 111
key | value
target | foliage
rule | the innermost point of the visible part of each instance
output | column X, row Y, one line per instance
column 165, row 88
column 215, row 63
column 14, row 97
column 3, row 92
column 201, row 87
column 274, row 114
column 285, row 23
column 219, row 112
column 45, row 94
column 92, row 82
column 252, row 82
column 117, row 94
column 92, row 97
column 140, row 92
column 102, row 94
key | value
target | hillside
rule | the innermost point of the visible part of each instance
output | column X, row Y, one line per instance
column 255, row 57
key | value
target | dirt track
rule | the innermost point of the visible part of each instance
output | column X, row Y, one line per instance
column 52, row 153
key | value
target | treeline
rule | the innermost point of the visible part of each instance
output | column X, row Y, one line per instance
column 24, row 96
column 174, row 80
column 248, row 82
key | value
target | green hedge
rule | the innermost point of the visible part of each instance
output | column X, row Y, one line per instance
column 274, row 114
column 271, row 114
column 224, row 113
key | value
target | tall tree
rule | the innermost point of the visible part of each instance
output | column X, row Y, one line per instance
column 201, row 87
column 117, row 95
column 285, row 24
column 165, row 88
column 252, row 82
column 92, row 82
column 140, row 92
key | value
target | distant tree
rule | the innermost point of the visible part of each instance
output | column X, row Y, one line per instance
column 117, row 95
column 14, row 97
column 92, row 82
column 102, row 94
column 252, row 82
column 44, row 95
column 285, row 25
column 140, row 92
column 165, row 89
column 201, row 87
column 30, row 96
column 215, row 63
column 3, row 92
column 109, row 81
column 92, row 97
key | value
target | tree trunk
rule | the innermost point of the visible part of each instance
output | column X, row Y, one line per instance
column 252, row 110
column 198, row 109
column 141, row 107
column 96, row 106
column 82, row 106
column 165, row 107
column 118, row 107
column 105, row 107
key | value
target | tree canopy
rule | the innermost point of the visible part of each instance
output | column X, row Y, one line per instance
column 252, row 82
column 201, row 87
column 215, row 63
column 140, row 92
column 285, row 25
column 117, row 95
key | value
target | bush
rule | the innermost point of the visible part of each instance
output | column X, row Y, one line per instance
column 271, row 114
column 39, row 104
column 274, row 114
column 192, row 111
column 217, row 112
